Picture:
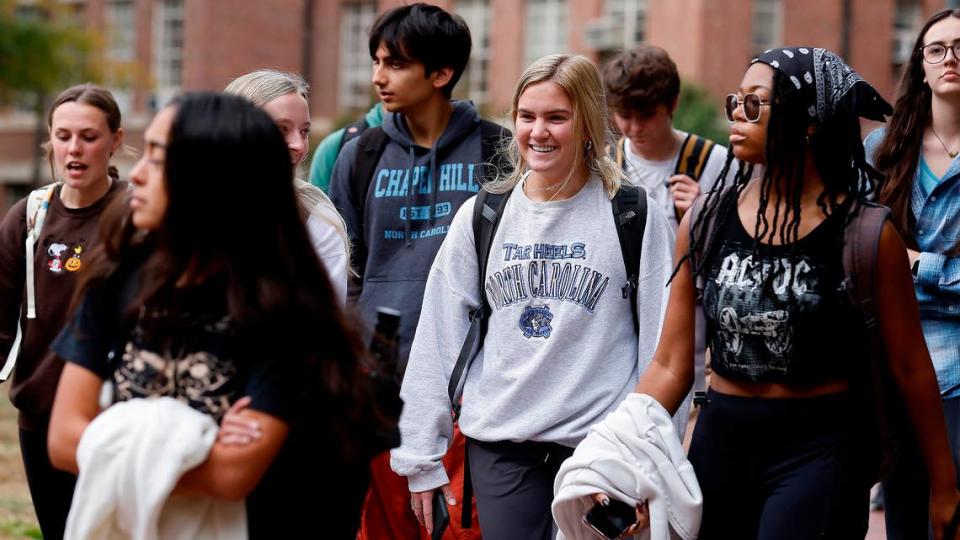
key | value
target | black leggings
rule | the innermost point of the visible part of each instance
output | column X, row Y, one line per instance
column 51, row 489
column 513, row 483
column 780, row 468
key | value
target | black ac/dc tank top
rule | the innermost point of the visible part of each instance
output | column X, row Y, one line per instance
column 779, row 315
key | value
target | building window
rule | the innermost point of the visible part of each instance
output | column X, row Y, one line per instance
column 121, row 51
column 907, row 19
column 766, row 25
column 476, row 13
column 627, row 22
column 121, row 31
column 549, row 18
column 167, row 50
column 356, row 19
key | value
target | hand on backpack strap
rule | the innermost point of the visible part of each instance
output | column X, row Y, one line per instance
column 684, row 190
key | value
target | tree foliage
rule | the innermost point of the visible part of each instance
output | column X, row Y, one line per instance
column 701, row 113
column 40, row 53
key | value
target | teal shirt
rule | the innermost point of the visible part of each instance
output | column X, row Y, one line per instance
column 325, row 156
column 928, row 180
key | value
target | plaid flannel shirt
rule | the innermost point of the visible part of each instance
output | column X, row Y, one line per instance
column 937, row 283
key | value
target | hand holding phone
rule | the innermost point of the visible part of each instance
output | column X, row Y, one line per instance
column 441, row 515
column 610, row 520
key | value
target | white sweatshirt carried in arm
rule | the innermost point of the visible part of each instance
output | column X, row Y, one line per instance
column 560, row 350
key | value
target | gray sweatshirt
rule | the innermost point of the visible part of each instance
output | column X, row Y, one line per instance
column 560, row 351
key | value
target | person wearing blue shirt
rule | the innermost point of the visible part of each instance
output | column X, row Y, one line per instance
column 918, row 155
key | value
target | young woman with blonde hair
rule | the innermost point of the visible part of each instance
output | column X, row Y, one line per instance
column 284, row 97
column 561, row 349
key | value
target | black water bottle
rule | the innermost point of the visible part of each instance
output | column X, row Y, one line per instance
column 385, row 372
column 384, row 345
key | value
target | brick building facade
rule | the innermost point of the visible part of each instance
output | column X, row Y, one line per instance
column 159, row 47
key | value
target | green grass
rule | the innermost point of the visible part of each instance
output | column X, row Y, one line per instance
column 17, row 520
column 19, row 529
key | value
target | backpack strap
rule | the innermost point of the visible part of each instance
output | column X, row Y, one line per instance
column 370, row 147
column 351, row 131
column 629, row 207
column 618, row 154
column 694, row 153
column 487, row 210
column 860, row 249
column 692, row 159
column 38, row 202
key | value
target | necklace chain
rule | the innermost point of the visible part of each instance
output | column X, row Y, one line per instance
column 945, row 149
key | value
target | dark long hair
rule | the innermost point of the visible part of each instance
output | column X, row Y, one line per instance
column 838, row 155
column 899, row 152
column 232, row 213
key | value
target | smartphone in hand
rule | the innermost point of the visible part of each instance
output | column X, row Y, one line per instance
column 611, row 520
column 441, row 515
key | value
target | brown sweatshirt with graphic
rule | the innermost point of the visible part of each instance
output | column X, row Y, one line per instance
column 61, row 253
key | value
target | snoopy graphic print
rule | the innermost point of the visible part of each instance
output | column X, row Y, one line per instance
column 56, row 254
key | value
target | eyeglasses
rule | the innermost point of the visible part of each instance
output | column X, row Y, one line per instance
column 752, row 106
column 935, row 53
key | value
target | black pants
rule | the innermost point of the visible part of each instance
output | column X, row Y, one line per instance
column 780, row 468
column 513, row 483
column 906, row 490
column 51, row 489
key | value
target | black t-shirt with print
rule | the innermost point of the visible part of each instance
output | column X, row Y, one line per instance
column 779, row 315
column 188, row 349
column 191, row 350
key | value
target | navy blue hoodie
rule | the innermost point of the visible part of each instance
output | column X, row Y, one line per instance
column 404, row 221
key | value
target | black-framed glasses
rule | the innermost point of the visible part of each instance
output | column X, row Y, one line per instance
column 752, row 106
column 934, row 53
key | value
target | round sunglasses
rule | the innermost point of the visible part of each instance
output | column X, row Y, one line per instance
column 752, row 106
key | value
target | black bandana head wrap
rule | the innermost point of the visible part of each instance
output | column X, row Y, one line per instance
column 828, row 86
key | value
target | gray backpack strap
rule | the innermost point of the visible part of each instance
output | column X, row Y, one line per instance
column 38, row 202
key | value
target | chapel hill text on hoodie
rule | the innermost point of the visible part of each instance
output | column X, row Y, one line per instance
column 412, row 198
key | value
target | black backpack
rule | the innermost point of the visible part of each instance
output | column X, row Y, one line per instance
column 373, row 141
column 351, row 131
column 630, row 216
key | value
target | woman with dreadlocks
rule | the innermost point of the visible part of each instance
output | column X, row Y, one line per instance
column 778, row 448
column 918, row 154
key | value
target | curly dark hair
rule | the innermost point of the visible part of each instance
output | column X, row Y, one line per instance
column 640, row 79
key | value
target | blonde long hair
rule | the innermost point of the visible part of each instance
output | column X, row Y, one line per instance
column 263, row 86
column 580, row 79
